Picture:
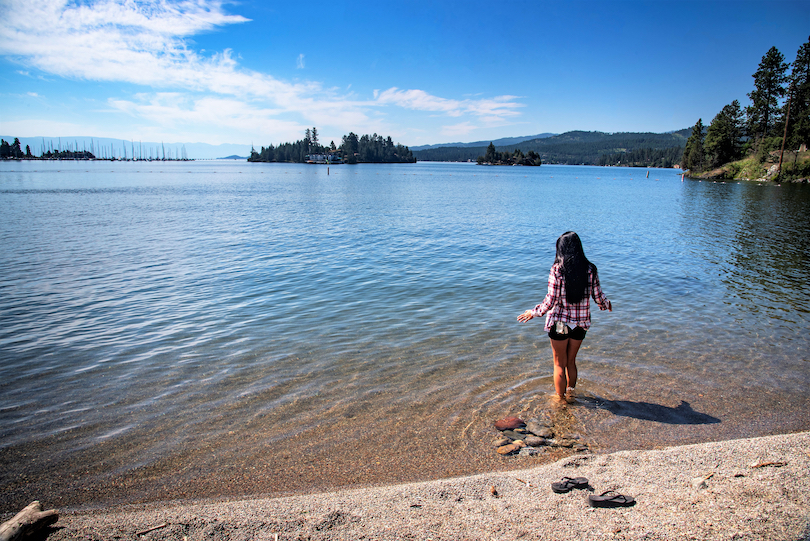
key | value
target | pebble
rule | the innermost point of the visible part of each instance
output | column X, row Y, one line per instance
column 528, row 451
column 534, row 441
column 537, row 428
column 507, row 449
column 699, row 483
column 519, row 443
column 509, row 423
column 512, row 435
column 500, row 442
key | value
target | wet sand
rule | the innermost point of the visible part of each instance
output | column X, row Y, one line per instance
column 748, row 489
column 373, row 444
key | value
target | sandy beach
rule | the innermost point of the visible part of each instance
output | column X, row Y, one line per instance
column 739, row 489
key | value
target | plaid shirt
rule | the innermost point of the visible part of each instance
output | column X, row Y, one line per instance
column 558, row 308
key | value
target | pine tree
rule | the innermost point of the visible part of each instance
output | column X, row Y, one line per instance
column 491, row 156
column 693, row 157
column 724, row 136
column 799, row 123
column 769, row 87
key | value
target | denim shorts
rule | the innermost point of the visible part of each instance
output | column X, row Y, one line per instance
column 577, row 333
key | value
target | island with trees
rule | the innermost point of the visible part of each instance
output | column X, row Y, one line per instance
column 516, row 157
column 353, row 149
column 768, row 139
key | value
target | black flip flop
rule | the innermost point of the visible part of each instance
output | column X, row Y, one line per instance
column 611, row 498
column 566, row 484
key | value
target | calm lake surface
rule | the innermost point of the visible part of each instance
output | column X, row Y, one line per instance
column 179, row 330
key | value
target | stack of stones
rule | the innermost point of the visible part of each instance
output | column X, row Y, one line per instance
column 528, row 438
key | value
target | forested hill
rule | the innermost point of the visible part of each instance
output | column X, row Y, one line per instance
column 581, row 147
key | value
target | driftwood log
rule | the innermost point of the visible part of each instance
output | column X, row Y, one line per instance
column 28, row 521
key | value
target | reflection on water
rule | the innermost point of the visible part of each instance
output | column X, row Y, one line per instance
column 188, row 330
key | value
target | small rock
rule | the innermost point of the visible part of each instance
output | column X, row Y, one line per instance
column 512, row 435
column 500, row 442
column 528, row 451
column 534, row 441
column 564, row 442
column 699, row 483
column 536, row 427
column 519, row 443
column 581, row 448
column 507, row 449
column 544, row 433
column 521, row 431
column 509, row 423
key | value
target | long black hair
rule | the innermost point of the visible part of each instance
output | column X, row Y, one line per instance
column 574, row 266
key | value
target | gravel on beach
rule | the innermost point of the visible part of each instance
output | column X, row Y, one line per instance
column 751, row 489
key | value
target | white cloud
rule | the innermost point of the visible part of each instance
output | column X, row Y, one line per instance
column 499, row 107
column 33, row 94
column 457, row 130
column 147, row 43
column 299, row 64
column 172, row 112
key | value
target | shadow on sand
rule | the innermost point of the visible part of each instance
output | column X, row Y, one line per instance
column 683, row 414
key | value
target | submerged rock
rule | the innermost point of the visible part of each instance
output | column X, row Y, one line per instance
column 540, row 429
column 508, row 449
column 512, row 435
column 528, row 451
column 565, row 442
column 534, row 441
column 500, row 442
column 509, row 423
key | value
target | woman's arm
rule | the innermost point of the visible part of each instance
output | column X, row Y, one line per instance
column 552, row 297
column 596, row 293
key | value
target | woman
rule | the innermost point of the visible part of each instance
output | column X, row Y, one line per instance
column 572, row 280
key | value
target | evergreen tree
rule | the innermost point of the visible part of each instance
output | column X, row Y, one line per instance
column 350, row 147
column 769, row 87
column 724, row 136
column 799, row 128
column 492, row 155
column 693, row 154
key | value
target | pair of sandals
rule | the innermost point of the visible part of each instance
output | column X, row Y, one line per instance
column 609, row 498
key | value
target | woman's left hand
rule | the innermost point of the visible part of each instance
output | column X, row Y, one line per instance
column 525, row 316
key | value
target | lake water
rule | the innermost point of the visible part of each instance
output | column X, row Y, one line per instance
column 181, row 330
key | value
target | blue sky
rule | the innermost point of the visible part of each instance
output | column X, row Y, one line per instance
column 422, row 72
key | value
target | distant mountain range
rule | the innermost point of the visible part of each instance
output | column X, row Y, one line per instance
column 575, row 147
column 497, row 142
column 119, row 148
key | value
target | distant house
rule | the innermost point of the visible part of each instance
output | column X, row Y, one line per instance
column 324, row 158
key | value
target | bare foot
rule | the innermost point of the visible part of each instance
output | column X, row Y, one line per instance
column 558, row 400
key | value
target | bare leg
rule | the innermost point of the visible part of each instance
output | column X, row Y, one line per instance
column 571, row 364
column 560, row 351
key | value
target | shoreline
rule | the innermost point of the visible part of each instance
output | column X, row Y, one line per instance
column 754, row 488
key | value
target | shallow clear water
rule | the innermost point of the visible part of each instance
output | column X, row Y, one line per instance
column 157, row 314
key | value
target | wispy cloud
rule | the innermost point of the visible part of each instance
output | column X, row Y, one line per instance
column 457, row 130
column 147, row 43
column 496, row 108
